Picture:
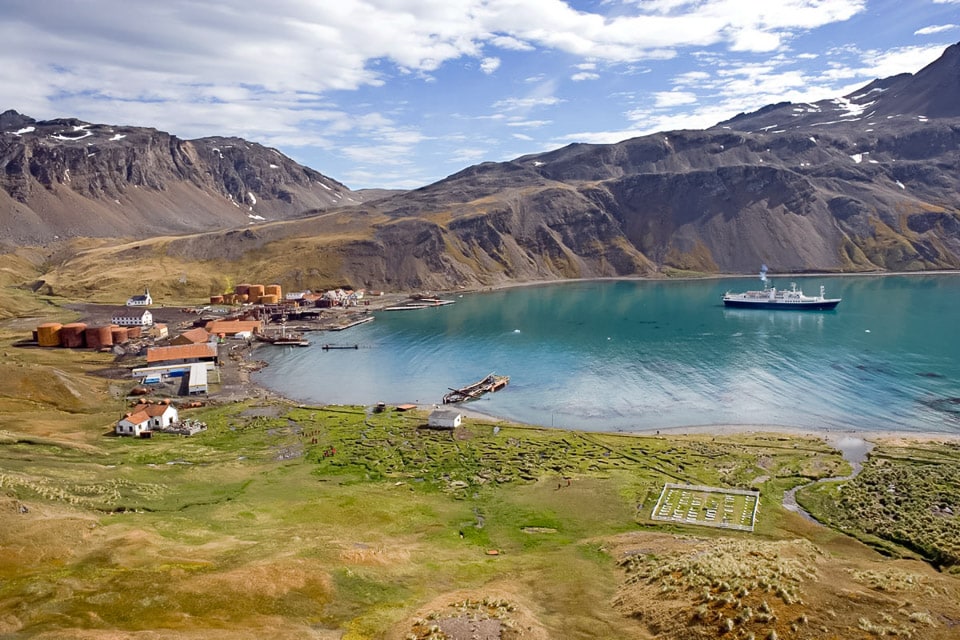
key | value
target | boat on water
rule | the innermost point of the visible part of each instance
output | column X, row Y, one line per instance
column 489, row 384
column 772, row 298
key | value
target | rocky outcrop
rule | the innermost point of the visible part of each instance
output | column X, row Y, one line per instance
column 65, row 178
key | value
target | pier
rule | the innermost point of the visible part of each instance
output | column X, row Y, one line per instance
column 419, row 303
column 352, row 323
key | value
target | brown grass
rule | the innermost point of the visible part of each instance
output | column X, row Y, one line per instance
column 683, row 587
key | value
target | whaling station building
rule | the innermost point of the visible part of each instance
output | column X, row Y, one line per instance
column 147, row 417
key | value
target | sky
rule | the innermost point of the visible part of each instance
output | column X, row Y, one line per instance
column 402, row 93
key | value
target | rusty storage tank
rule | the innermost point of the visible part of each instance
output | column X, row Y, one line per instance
column 98, row 337
column 243, row 297
column 134, row 332
column 216, row 299
column 71, row 335
column 229, row 298
column 119, row 335
column 268, row 298
column 256, row 290
column 48, row 334
column 273, row 290
column 241, row 289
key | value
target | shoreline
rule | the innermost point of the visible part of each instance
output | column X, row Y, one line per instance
column 829, row 435
column 706, row 276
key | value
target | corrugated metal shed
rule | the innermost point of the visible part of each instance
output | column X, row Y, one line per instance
column 196, row 335
column 203, row 351
column 233, row 327
column 197, row 383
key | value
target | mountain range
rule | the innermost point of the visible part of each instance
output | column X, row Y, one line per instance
column 863, row 182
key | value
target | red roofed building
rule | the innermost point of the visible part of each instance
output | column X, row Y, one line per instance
column 147, row 417
column 198, row 335
column 233, row 327
column 182, row 353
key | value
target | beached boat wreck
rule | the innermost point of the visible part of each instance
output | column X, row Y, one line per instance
column 491, row 383
column 284, row 338
column 419, row 302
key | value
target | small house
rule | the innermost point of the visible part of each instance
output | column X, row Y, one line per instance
column 146, row 418
column 444, row 419
column 140, row 301
column 133, row 318
column 133, row 424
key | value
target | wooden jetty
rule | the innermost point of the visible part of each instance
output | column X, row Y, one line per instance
column 419, row 303
column 491, row 383
column 352, row 323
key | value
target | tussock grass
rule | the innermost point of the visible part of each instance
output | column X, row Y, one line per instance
column 907, row 499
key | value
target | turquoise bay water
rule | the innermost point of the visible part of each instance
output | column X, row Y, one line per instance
column 641, row 355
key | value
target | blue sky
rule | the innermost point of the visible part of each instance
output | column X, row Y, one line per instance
column 401, row 93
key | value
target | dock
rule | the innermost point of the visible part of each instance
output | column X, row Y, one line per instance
column 327, row 347
column 489, row 384
column 353, row 323
column 419, row 303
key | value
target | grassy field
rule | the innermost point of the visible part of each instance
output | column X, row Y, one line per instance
column 288, row 521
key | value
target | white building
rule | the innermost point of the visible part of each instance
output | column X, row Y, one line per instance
column 133, row 318
column 146, row 418
column 140, row 301
column 444, row 419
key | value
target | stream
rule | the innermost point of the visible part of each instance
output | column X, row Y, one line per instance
column 854, row 450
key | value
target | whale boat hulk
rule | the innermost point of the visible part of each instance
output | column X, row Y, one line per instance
column 772, row 298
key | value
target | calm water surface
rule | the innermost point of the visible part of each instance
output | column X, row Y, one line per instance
column 639, row 355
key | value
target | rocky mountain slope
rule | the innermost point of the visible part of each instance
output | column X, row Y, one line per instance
column 864, row 182
column 66, row 178
column 868, row 181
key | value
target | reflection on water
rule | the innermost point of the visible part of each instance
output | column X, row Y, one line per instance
column 646, row 355
column 776, row 318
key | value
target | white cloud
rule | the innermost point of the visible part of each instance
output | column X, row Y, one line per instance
column 881, row 64
column 510, row 43
column 667, row 99
column 530, row 124
column 541, row 96
column 329, row 75
column 926, row 31
column 691, row 77
column 489, row 65
column 464, row 155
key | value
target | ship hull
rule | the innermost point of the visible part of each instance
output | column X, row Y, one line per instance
column 817, row 305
